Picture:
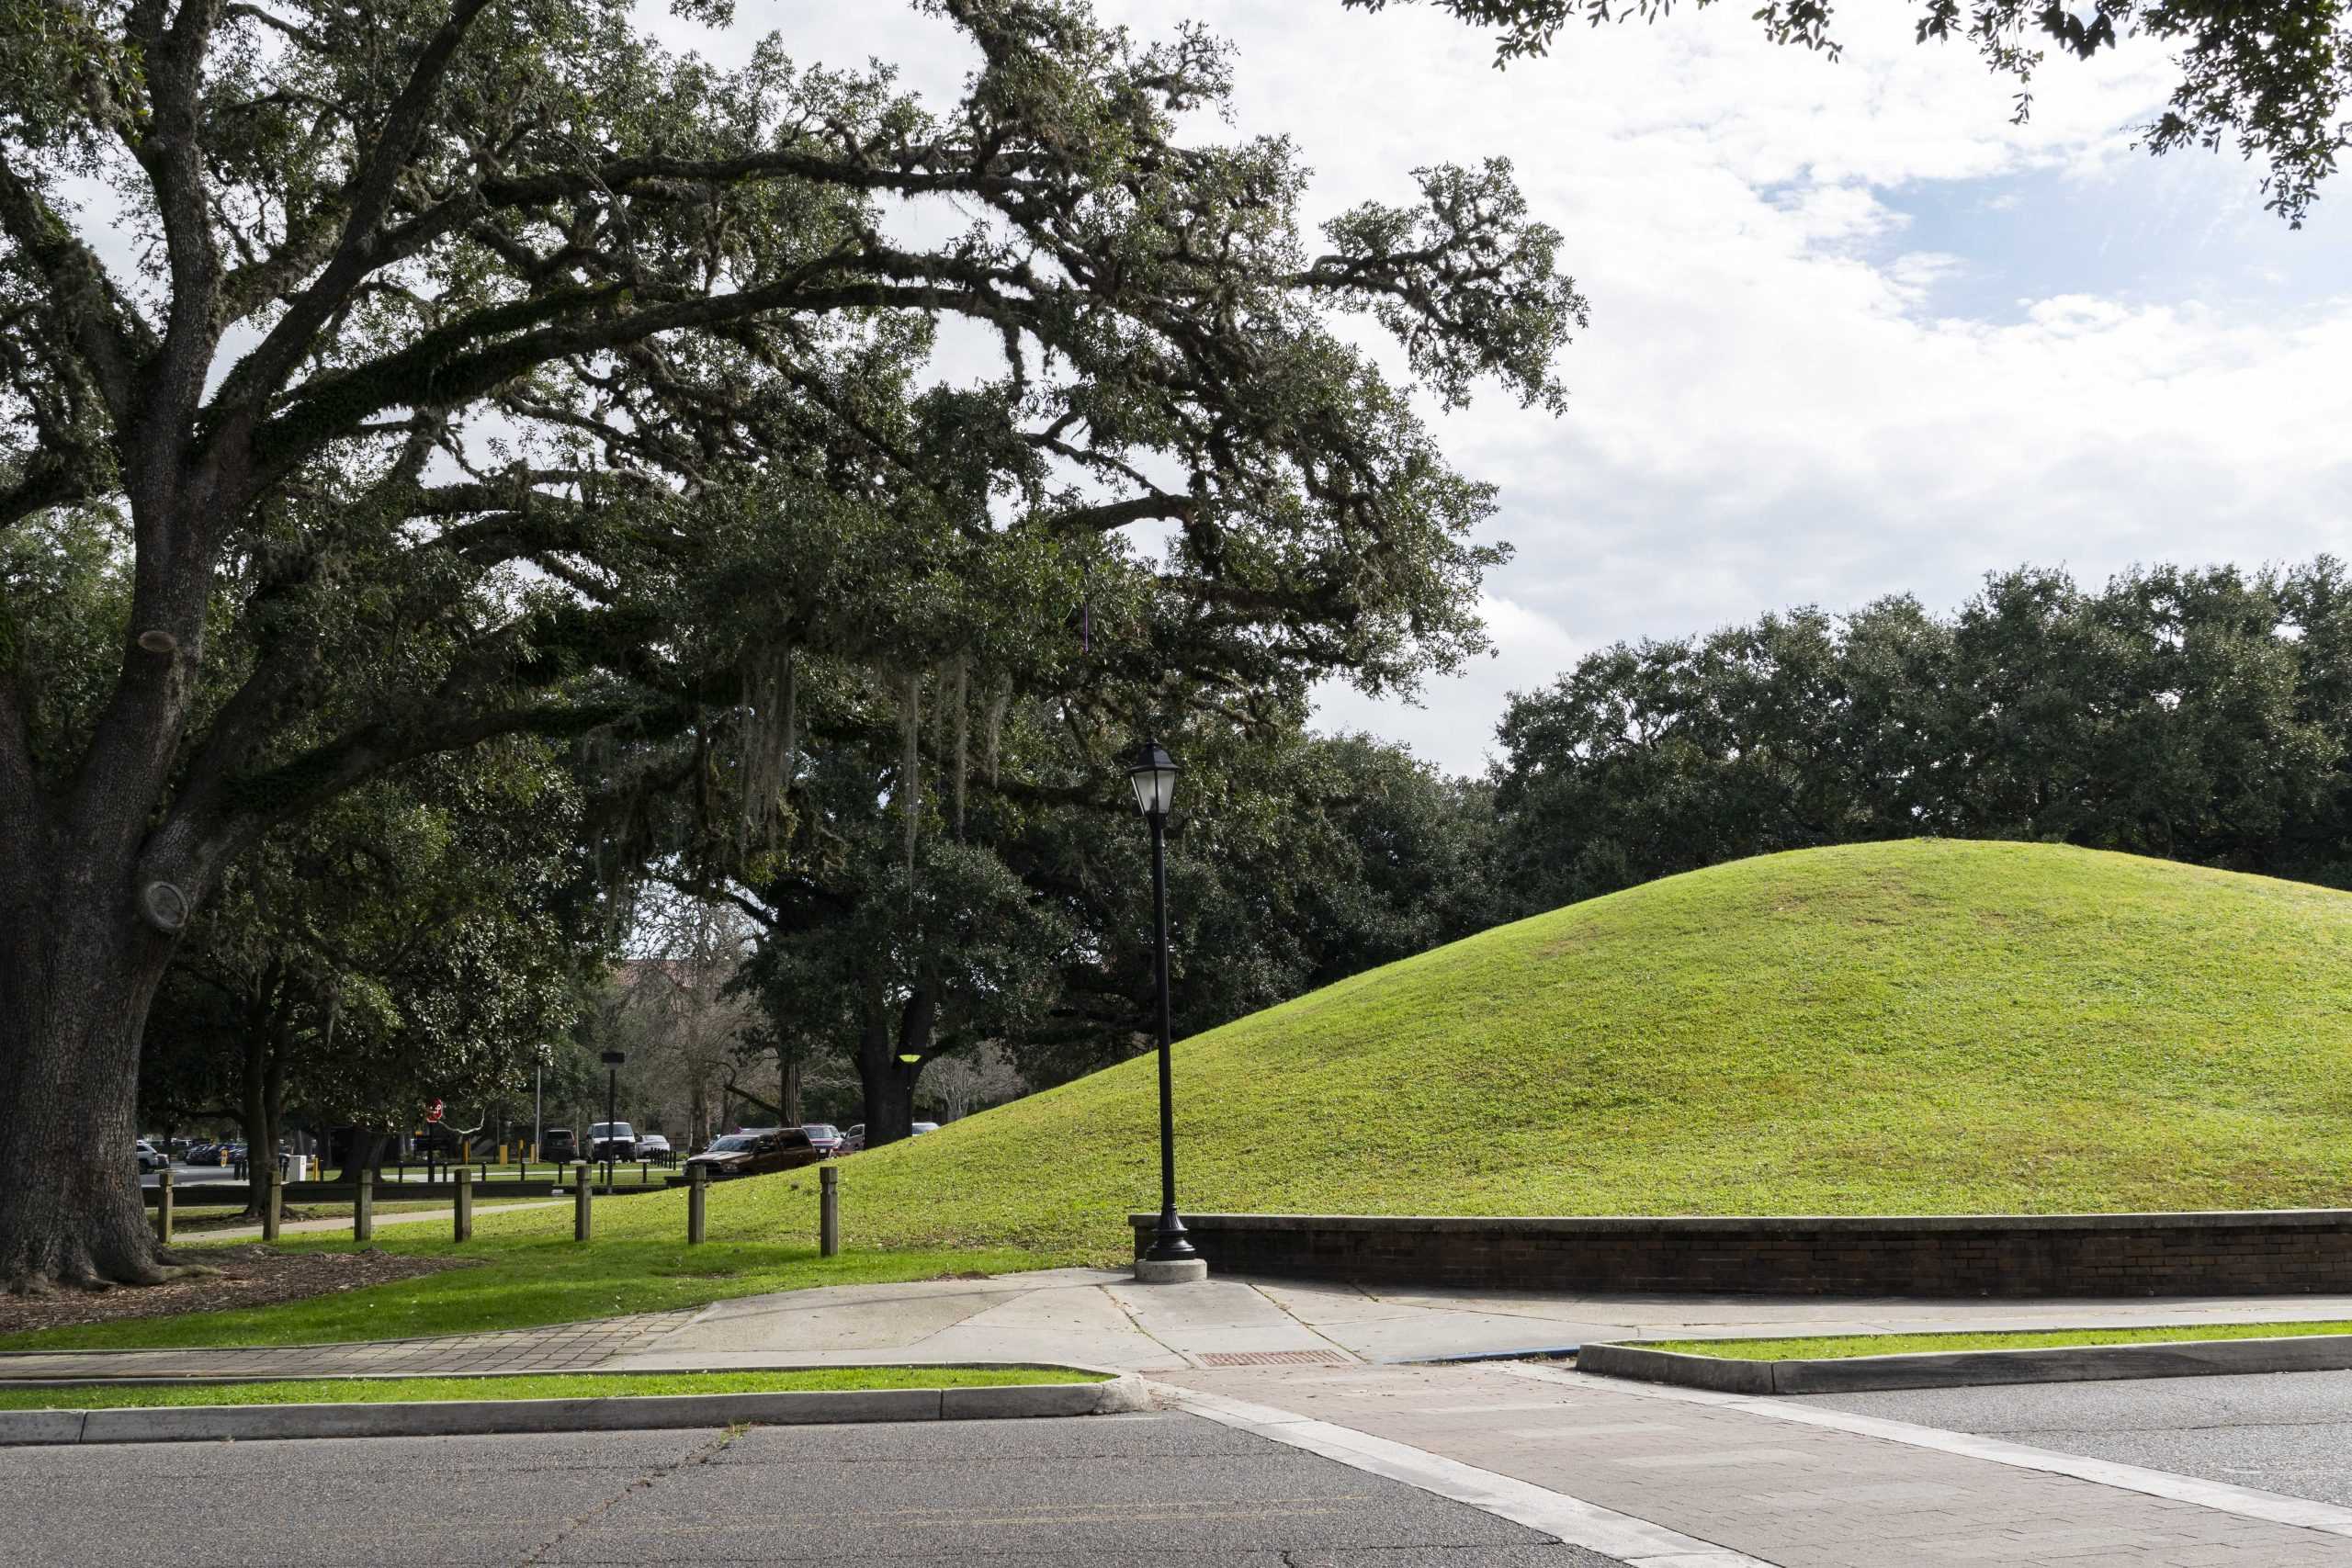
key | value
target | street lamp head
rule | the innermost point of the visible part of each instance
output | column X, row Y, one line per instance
column 1153, row 773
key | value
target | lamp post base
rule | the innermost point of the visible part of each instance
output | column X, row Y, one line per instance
column 1173, row 1271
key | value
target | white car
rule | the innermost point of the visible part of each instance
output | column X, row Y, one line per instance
column 653, row 1146
column 152, row 1158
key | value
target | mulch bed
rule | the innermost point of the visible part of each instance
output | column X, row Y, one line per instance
column 250, row 1277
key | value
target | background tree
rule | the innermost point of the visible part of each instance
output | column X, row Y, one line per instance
column 2195, row 715
column 486, row 369
column 2270, row 77
column 415, row 940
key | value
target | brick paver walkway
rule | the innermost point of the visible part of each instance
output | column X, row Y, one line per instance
column 561, row 1347
column 1801, row 1497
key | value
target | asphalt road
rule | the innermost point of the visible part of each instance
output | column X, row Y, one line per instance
column 2288, row 1432
column 1153, row 1491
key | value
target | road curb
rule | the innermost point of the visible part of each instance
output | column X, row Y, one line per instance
column 475, row 1418
column 1965, row 1368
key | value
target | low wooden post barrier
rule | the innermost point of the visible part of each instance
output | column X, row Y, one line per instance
column 363, row 1208
column 582, row 1222
column 829, row 1210
column 697, row 1193
column 272, row 1193
column 164, row 1205
column 462, row 1209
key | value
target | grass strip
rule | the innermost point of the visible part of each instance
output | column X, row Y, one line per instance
column 541, row 1385
column 520, row 1278
column 1840, row 1347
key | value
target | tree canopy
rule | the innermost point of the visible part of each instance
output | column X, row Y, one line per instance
column 2270, row 78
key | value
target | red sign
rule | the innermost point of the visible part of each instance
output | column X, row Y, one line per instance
column 432, row 1114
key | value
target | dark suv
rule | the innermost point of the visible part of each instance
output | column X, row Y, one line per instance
column 755, row 1154
column 557, row 1143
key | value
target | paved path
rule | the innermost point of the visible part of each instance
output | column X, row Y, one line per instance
column 415, row 1216
column 1100, row 1317
column 1739, row 1478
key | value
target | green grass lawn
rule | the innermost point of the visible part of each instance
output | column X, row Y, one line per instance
column 1842, row 1346
column 523, row 1276
column 543, row 1385
column 1925, row 1027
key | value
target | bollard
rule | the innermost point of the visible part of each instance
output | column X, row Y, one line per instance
column 580, row 1223
column 697, row 1190
column 464, row 1208
column 829, row 1210
column 164, row 1205
column 363, row 1208
column 270, row 1212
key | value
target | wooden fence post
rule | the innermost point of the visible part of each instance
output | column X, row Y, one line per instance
column 363, row 1207
column 464, row 1208
column 829, row 1210
column 164, row 1205
column 697, row 1190
column 581, row 1222
column 270, row 1202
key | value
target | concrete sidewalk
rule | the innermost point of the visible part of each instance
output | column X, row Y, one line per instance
column 1104, row 1318
column 1100, row 1317
column 1743, row 1480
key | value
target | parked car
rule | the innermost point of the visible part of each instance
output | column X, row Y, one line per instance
column 755, row 1154
column 653, row 1146
column 853, row 1139
column 612, row 1140
column 920, row 1128
column 824, row 1135
column 152, row 1158
column 557, row 1143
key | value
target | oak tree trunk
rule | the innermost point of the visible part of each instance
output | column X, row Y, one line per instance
column 887, row 1081
column 77, row 972
column 789, row 1064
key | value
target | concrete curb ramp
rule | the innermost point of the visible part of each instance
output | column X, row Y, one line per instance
column 474, row 1417
column 1962, row 1369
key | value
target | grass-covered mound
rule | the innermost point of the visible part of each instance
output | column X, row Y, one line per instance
column 1918, row 1027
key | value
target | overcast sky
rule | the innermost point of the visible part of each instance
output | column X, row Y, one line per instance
column 1853, row 335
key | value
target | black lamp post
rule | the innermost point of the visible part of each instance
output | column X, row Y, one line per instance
column 1153, row 773
column 613, row 1060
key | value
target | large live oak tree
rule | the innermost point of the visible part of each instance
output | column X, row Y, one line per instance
column 452, row 369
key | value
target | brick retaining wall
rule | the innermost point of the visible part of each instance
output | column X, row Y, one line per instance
column 2260, row 1252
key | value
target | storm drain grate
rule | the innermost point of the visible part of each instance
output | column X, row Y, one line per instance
column 1274, row 1359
